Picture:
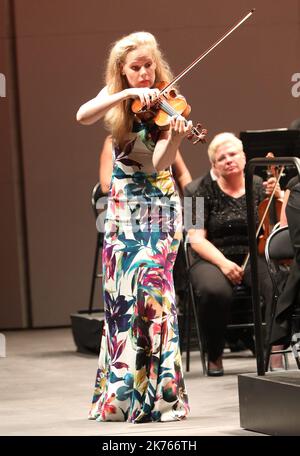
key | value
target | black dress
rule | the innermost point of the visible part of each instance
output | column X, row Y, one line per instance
column 282, row 325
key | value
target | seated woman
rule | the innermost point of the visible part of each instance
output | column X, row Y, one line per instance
column 223, row 244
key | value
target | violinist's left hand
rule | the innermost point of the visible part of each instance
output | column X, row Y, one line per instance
column 166, row 147
column 179, row 126
column 269, row 186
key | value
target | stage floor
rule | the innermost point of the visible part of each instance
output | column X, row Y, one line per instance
column 46, row 387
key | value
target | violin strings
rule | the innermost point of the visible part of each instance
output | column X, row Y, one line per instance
column 172, row 112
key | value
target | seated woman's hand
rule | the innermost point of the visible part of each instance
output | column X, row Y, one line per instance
column 232, row 271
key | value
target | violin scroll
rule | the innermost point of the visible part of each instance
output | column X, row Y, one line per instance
column 198, row 134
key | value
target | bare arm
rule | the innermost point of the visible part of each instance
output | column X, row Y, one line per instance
column 209, row 252
column 105, row 165
column 283, row 219
column 181, row 172
column 95, row 109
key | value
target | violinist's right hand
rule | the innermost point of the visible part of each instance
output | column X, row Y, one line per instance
column 146, row 95
column 232, row 271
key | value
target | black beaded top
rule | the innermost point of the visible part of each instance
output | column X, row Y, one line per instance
column 225, row 218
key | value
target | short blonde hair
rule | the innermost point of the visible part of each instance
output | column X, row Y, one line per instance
column 221, row 139
column 119, row 119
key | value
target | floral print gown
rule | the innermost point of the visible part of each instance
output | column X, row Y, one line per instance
column 139, row 376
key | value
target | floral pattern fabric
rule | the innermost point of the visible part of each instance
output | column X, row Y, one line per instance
column 139, row 377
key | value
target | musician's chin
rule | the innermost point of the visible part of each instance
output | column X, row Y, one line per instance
column 232, row 169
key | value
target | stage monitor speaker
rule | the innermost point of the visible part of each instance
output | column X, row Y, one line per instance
column 87, row 330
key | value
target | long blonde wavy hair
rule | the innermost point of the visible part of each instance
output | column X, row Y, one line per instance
column 119, row 119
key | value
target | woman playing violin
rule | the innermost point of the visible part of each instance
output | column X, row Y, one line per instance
column 221, row 246
column 139, row 376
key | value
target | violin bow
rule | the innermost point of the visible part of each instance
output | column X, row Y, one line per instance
column 205, row 53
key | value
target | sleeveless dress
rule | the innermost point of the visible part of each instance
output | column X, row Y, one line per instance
column 139, row 376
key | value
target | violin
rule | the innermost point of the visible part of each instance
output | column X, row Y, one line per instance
column 271, row 207
column 263, row 210
column 169, row 104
